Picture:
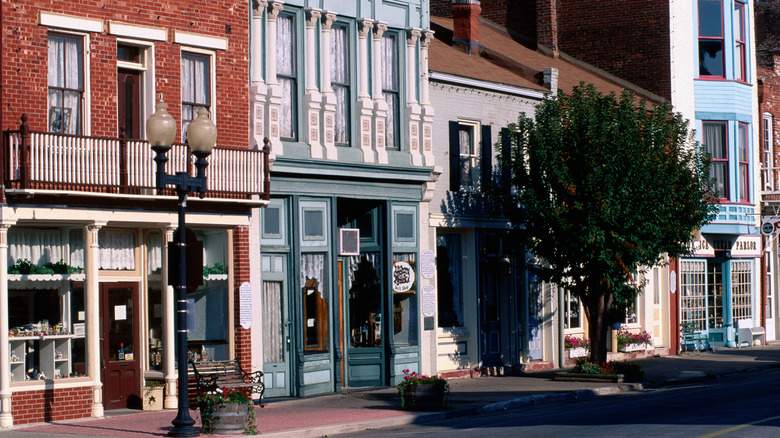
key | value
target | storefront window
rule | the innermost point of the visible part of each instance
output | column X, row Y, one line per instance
column 315, row 305
column 741, row 282
column 365, row 300
column 154, row 299
column 405, row 312
column 693, row 289
column 714, row 296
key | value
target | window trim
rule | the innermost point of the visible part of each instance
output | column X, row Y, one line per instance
column 727, row 182
column 147, row 76
column 396, row 37
column 296, row 77
column 767, row 138
column 349, row 85
column 743, row 139
column 740, row 56
column 85, row 89
column 722, row 40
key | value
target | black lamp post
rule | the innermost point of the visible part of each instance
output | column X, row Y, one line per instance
column 201, row 137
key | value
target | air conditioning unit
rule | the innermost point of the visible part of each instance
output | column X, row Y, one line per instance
column 349, row 241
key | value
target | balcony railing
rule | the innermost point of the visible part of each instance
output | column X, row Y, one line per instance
column 52, row 161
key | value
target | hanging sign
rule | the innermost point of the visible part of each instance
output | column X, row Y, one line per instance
column 245, row 298
column 403, row 277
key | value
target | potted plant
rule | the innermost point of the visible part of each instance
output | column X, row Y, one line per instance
column 628, row 341
column 227, row 411
column 153, row 395
column 576, row 347
column 421, row 392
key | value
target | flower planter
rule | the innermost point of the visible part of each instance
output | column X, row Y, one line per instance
column 628, row 348
column 224, row 418
column 577, row 352
column 153, row 398
column 424, row 397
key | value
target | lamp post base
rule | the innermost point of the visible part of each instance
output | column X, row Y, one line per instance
column 185, row 428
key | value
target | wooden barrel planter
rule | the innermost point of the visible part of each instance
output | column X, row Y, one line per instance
column 224, row 418
column 424, row 397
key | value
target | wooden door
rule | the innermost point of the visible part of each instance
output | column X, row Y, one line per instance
column 129, row 103
column 121, row 368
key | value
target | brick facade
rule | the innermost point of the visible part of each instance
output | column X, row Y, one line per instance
column 25, row 59
column 241, row 255
column 51, row 405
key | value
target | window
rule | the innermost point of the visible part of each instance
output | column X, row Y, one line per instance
column 741, row 280
column 195, row 88
column 740, row 60
column 390, row 88
column 711, row 38
column 448, row 275
column 572, row 312
column 154, row 299
column 767, row 146
column 693, row 292
column 471, row 153
column 714, row 139
column 315, row 306
column 286, row 74
column 467, row 142
column 714, row 295
column 339, row 75
column 66, row 83
column 405, row 311
column 742, row 147
column 365, row 300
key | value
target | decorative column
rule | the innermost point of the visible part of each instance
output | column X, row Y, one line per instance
column 312, row 100
column 412, row 107
column 6, row 417
column 380, row 104
column 274, row 92
column 171, row 397
column 365, row 105
column 258, row 90
column 328, row 96
column 92, row 291
column 427, row 108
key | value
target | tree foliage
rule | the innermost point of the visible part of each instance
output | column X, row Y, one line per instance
column 604, row 186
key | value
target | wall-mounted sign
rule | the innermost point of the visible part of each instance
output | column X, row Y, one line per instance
column 770, row 225
column 746, row 246
column 403, row 277
column 700, row 247
column 245, row 301
column 427, row 264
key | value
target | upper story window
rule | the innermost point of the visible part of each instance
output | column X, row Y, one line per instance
column 287, row 75
column 740, row 57
column 470, row 155
column 711, row 39
column 390, row 87
column 340, row 81
column 468, row 138
column 195, row 87
column 714, row 139
column 66, row 83
column 742, row 149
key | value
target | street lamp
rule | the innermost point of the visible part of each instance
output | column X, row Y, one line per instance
column 201, row 137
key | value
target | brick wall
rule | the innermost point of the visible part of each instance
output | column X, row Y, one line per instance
column 25, row 59
column 517, row 15
column 51, row 405
column 243, row 338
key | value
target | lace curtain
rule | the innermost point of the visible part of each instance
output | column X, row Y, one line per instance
column 714, row 138
column 390, row 85
column 37, row 246
column 285, row 70
column 154, row 252
column 313, row 267
column 66, row 74
column 339, row 74
column 116, row 250
column 195, row 88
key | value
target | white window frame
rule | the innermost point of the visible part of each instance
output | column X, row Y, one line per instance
column 766, row 126
column 146, row 67
column 473, row 156
column 567, row 299
column 86, row 128
column 212, row 56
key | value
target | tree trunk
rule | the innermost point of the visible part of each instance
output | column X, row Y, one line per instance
column 598, row 327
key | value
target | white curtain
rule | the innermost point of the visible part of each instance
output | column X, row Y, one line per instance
column 339, row 74
column 66, row 73
column 285, row 69
column 37, row 246
column 390, row 86
column 714, row 138
column 116, row 250
column 313, row 267
column 154, row 252
column 273, row 326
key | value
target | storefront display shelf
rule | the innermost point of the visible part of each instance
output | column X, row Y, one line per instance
column 54, row 356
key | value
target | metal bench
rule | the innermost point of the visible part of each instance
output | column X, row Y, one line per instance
column 691, row 337
column 747, row 333
column 207, row 376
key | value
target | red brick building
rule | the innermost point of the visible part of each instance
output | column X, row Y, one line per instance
column 79, row 80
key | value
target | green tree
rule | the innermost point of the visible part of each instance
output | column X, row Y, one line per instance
column 603, row 188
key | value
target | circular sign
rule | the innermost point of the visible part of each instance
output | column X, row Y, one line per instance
column 767, row 227
column 403, row 277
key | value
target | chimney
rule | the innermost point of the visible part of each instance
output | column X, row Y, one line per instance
column 547, row 27
column 465, row 17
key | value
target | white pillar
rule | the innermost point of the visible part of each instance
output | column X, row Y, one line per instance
column 312, row 100
column 6, row 417
column 328, row 97
column 425, row 103
column 92, row 291
column 365, row 106
column 380, row 105
column 274, row 93
column 258, row 90
column 171, row 396
column 412, row 107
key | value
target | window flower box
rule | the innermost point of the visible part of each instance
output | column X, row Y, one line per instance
column 628, row 348
column 577, row 352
